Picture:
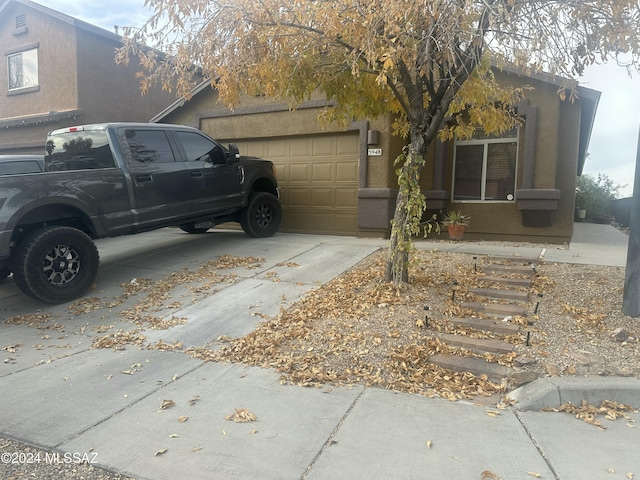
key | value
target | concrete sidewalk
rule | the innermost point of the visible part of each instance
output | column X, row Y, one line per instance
column 61, row 394
column 592, row 244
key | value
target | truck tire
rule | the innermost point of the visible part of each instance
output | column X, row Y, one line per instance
column 191, row 228
column 55, row 264
column 4, row 272
column 262, row 216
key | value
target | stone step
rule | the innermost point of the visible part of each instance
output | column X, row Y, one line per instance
column 507, row 269
column 478, row 345
column 496, row 309
column 476, row 366
column 516, row 282
column 514, row 295
column 513, row 259
column 487, row 325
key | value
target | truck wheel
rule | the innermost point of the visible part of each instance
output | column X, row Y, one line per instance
column 55, row 264
column 262, row 216
column 4, row 272
column 191, row 228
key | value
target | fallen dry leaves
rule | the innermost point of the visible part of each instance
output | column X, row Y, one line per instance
column 586, row 319
column 359, row 329
column 591, row 414
column 153, row 297
column 119, row 339
column 241, row 415
column 36, row 320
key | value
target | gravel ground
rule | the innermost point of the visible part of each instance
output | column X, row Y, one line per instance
column 358, row 329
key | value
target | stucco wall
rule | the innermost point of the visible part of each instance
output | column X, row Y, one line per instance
column 108, row 92
column 56, row 63
column 56, row 75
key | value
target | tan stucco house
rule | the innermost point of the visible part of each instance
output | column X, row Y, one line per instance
column 334, row 180
column 59, row 71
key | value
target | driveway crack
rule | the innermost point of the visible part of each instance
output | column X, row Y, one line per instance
column 330, row 441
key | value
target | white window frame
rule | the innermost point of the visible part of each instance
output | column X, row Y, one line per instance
column 32, row 76
column 483, row 185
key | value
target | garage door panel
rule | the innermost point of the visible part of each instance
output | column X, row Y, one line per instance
column 299, row 147
column 346, row 198
column 317, row 177
column 296, row 197
column 344, row 223
column 323, row 146
column 346, row 172
column 282, row 170
column 299, row 173
column 277, row 149
column 322, row 197
column 322, row 172
column 348, row 146
column 255, row 150
column 294, row 221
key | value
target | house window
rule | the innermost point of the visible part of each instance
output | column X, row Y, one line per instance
column 23, row 69
column 485, row 168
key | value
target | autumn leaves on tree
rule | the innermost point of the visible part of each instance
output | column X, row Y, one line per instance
column 427, row 63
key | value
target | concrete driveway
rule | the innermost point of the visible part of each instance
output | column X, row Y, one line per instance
column 290, row 265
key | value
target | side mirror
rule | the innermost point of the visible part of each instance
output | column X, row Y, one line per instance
column 234, row 153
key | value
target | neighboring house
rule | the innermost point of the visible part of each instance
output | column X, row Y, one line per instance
column 518, row 187
column 59, row 71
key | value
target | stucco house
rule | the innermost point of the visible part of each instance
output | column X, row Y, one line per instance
column 60, row 71
column 334, row 180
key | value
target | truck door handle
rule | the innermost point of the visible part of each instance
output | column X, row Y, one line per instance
column 143, row 178
column 196, row 174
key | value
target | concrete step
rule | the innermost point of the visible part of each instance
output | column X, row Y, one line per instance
column 514, row 295
column 506, row 269
column 476, row 366
column 496, row 309
column 513, row 259
column 478, row 345
column 487, row 325
column 516, row 282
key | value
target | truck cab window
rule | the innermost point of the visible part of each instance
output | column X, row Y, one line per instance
column 149, row 146
column 200, row 149
column 81, row 150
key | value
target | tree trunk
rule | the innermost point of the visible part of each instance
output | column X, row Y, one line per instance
column 408, row 213
column 398, row 262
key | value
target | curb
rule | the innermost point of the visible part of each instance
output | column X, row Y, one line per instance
column 555, row 391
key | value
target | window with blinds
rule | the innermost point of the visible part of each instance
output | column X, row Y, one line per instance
column 485, row 168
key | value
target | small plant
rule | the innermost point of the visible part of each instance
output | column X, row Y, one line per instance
column 456, row 218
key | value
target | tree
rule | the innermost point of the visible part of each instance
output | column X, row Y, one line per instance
column 422, row 61
column 596, row 194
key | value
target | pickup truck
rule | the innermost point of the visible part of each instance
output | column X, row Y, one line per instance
column 106, row 180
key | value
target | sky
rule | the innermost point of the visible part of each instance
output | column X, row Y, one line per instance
column 615, row 136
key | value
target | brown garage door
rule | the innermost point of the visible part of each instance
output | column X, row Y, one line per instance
column 318, row 179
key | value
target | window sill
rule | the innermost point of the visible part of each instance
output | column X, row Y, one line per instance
column 20, row 91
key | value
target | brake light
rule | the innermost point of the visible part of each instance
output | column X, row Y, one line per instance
column 75, row 129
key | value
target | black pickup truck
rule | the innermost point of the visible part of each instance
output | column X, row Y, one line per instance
column 107, row 180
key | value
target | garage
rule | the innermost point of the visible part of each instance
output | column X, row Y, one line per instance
column 318, row 180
